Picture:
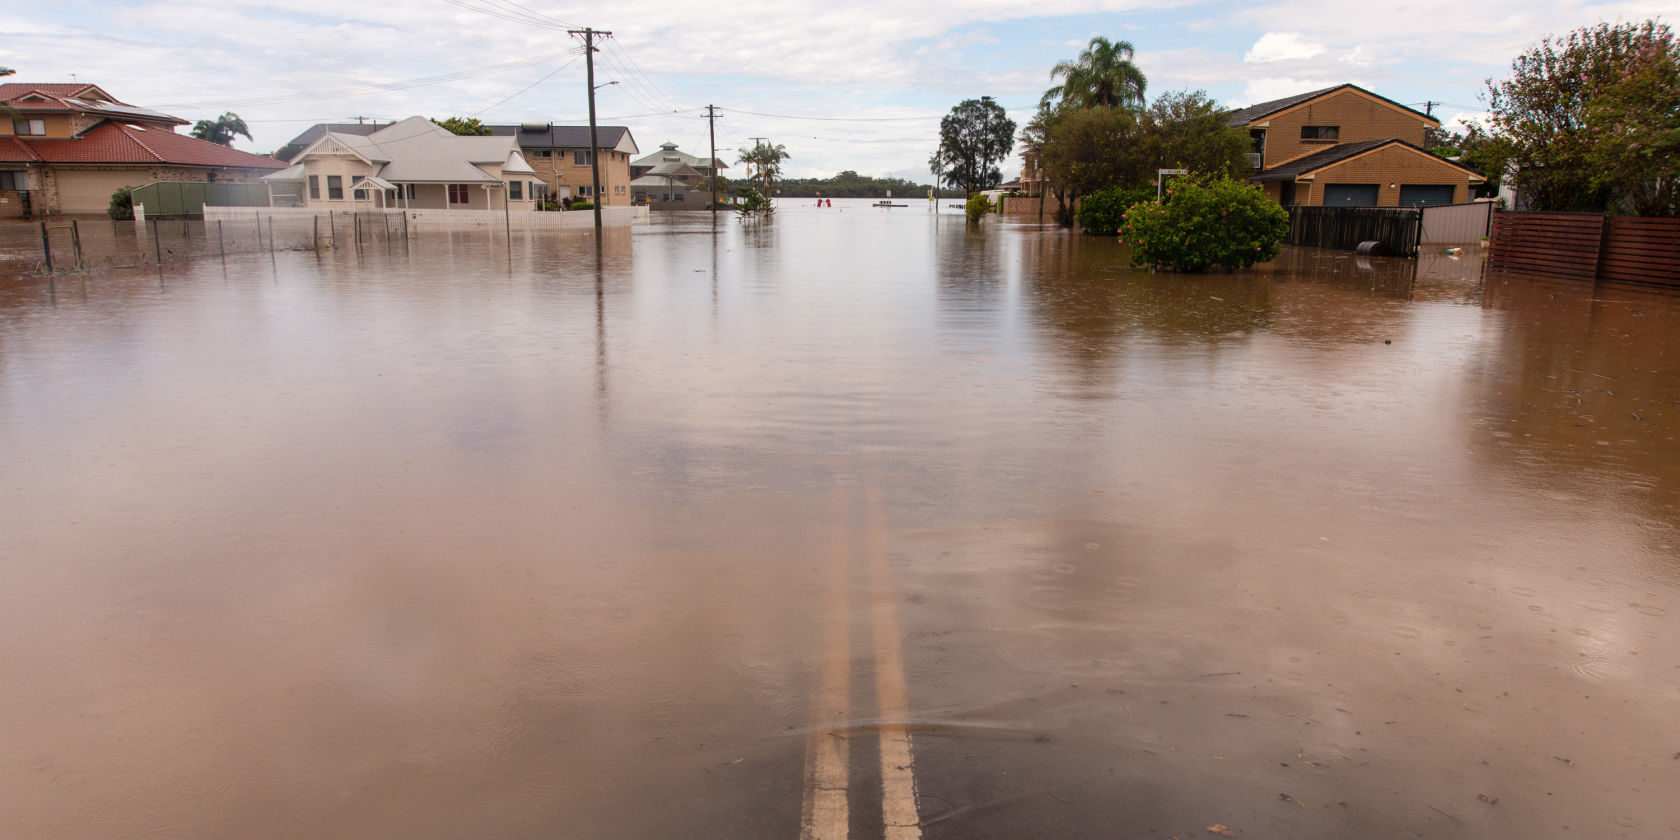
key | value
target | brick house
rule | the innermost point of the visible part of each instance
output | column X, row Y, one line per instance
column 64, row 148
column 1348, row 147
column 560, row 156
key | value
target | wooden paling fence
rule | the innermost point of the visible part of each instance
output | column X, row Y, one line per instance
column 1584, row 246
column 1343, row 228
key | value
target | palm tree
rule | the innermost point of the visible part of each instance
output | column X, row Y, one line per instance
column 6, row 71
column 767, row 160
column 1103, row 76
column 221, row 129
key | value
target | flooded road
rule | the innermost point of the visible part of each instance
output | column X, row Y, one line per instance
column 849, row 524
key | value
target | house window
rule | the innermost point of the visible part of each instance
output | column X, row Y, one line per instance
column 335, row 187
column 410, row 192
column 1319, row 132
column 458, row 194
column 539, row 153
column 359, row 195
column 677, row 197
column 315, row 186
column 14, row 181
column 586, row 190
column 29, row 127
column 516, row 191
column 581, row 158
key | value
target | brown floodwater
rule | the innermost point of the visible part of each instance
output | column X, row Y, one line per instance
column 850, row 523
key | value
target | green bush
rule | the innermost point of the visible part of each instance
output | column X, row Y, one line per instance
column 122, row 205
column 1206, row 223
column 750, row 202
column 978, row 206
column 1104, row 211
column 582, row 205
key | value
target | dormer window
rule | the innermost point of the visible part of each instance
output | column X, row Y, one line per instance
column 29, row 128
column 1320, row 132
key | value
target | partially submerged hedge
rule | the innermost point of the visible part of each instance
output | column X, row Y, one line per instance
column 1205, row 224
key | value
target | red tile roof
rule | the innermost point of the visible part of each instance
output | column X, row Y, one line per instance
column 9, row 90
column 111, row 142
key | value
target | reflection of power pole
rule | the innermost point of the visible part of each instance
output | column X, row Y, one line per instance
column 711, row 132
column 594, row 141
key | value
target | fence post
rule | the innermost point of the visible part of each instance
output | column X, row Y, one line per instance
column 157, row 246
column 315, row 232
column 271, row 234
column 405, row 225
column 76, row 242
column 259, row 231
column 332, row 228
column 46, row 247
column 221, row 244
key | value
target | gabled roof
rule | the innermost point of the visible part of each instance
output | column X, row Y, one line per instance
column 1346, row 151
column 82, row 90
column 1244, row 116
column 297, row 144
column 550, row 136
column 669, row 149
column 24, row 97
column 113, row 142
column 419, row 150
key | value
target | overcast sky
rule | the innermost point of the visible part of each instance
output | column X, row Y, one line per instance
column 879, row 73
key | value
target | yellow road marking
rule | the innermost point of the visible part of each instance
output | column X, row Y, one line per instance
column 898, row 777
column 826, row 814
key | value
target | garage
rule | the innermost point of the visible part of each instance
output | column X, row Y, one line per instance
column 89, row 190
column 1350, row 195
column 1425, row 195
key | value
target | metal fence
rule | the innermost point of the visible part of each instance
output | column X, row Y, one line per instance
column 1457, row 222
column 168, row 199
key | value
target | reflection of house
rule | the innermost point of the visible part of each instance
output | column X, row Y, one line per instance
column 1348, row 147
column 670, row 179
column 64, row 148
column 412, row 163
column 560, row 156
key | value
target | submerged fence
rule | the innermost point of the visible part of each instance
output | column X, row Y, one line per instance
column 1584, row 246
column 1343, row 228
column 170, row 199
column 87, row 245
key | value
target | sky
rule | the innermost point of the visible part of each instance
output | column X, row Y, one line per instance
column 842, row 85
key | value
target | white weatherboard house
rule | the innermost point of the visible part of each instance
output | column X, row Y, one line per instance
column 414, row 163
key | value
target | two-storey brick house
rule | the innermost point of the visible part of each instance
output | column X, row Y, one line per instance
column 1345, row 146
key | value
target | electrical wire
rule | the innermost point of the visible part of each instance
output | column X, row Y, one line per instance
column 853, row 119
column 545, row 78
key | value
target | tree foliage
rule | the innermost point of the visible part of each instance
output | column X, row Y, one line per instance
column 1206, row 223
column 1101, row 76
column 1104, row 212
column 6, row 71
column 750, row 203
column 222, row 129
column 975, row 137
column 1086, row 150
column 977, row 206
column 464, row 126
column 766, row 161
column 1593, row 120
column 850, row 184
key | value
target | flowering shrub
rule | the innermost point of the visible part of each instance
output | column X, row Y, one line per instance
column 1205, row 223
column 1104, row 211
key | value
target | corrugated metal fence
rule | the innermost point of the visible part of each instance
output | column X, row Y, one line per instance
column 1456, row 222
column 174, row 199
column 1584, row 246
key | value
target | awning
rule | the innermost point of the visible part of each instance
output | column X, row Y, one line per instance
column 375, row 183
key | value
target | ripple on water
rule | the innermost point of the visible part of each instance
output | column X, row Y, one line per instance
column 1282, row 704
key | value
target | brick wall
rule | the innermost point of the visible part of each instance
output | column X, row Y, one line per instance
column 1358, row 117
column 1396, row 165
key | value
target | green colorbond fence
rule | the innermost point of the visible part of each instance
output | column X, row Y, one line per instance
column 188, row 198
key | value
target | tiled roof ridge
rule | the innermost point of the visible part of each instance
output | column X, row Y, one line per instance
column 139, row 141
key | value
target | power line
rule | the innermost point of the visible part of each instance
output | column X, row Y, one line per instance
column 529, row 86
column 507, row 15
column 856, row 119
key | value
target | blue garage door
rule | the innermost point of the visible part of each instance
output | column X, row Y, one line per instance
column 1350, row 195
column 1425, row 195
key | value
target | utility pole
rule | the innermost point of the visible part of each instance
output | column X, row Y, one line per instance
column 594, row 142
column 1429, row 108
column 711, row 132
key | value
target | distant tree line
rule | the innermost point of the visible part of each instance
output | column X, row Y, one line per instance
column 849, row 184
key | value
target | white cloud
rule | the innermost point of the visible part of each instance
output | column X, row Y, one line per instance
column 1283, row 46
column 1262, row 90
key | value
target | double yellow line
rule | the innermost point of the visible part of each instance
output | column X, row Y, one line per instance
column 826, row 814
